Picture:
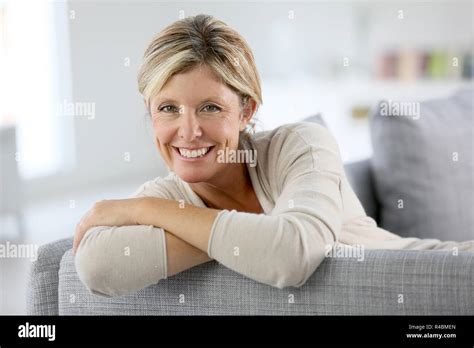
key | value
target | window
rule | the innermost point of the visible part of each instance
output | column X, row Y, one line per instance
column 34, row 70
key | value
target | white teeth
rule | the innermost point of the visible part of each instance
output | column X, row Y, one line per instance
column 193, row 153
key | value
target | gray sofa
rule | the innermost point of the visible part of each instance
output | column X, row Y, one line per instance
column 387, row 282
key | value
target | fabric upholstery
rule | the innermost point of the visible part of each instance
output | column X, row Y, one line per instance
column 423, row 168
column 360, row 177
column 395, row 282
column 42, row 291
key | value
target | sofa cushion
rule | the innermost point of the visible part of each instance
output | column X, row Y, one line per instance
column 361, row 179
column 423, row 167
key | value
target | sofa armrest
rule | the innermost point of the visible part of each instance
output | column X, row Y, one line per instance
column 359, row 174
column 385, row 282
column 43, row 278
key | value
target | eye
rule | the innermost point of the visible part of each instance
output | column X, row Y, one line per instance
column 167, row 110
column 213, row 108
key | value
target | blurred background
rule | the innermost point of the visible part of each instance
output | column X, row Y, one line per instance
column 73, row 127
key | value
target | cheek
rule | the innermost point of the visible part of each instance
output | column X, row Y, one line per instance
column 232, row 132
column 162, row 133
column 227, row 129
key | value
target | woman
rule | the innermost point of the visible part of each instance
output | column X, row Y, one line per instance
column 272, row 222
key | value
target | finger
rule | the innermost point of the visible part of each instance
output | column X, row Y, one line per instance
column 74, row 244
column 76, row 239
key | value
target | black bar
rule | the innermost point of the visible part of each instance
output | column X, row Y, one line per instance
column 135, row 330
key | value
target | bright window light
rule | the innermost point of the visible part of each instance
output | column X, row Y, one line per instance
column 28, row 84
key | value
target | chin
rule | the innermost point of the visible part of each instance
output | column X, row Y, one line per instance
column 191, row 178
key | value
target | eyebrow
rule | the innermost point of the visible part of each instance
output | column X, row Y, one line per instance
column 216, row 98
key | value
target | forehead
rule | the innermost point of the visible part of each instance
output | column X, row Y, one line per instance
column 195, row 86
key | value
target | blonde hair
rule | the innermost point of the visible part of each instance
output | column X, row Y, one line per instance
column 197, row 40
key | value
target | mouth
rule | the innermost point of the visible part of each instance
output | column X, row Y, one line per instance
column 195, row 155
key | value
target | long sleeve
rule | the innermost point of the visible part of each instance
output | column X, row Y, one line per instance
column 285, row 247
column 114, row 261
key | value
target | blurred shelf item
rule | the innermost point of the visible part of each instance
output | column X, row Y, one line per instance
column 360, row 111
column 412, row 65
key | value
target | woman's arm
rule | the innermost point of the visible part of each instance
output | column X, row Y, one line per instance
column 187, row 222
column 114, row 261
column 117, row 260
column 181, row 255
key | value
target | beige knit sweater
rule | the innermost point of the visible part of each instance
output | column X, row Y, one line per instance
column 309, row 205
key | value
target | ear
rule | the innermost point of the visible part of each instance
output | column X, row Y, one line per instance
column 247, row 113
column 145, row 104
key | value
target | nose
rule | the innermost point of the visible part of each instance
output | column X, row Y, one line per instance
column 189, row 127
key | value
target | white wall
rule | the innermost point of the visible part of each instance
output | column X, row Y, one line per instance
column 298, row 60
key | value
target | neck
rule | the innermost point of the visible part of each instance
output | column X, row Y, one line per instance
column 227, row 190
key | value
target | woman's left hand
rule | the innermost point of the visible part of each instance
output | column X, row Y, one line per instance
column 113, row 212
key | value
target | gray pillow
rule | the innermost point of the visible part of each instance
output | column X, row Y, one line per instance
column 423, row 167
column 316, row 119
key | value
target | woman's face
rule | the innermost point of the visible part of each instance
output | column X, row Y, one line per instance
column 194, row 111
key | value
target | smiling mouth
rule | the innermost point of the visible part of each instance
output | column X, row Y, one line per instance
column 190, row 156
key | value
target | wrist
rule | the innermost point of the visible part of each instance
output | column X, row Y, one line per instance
column 141, row 212
column 138, row 210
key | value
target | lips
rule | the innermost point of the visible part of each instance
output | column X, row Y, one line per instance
column 194, row 153
column 210, row 149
